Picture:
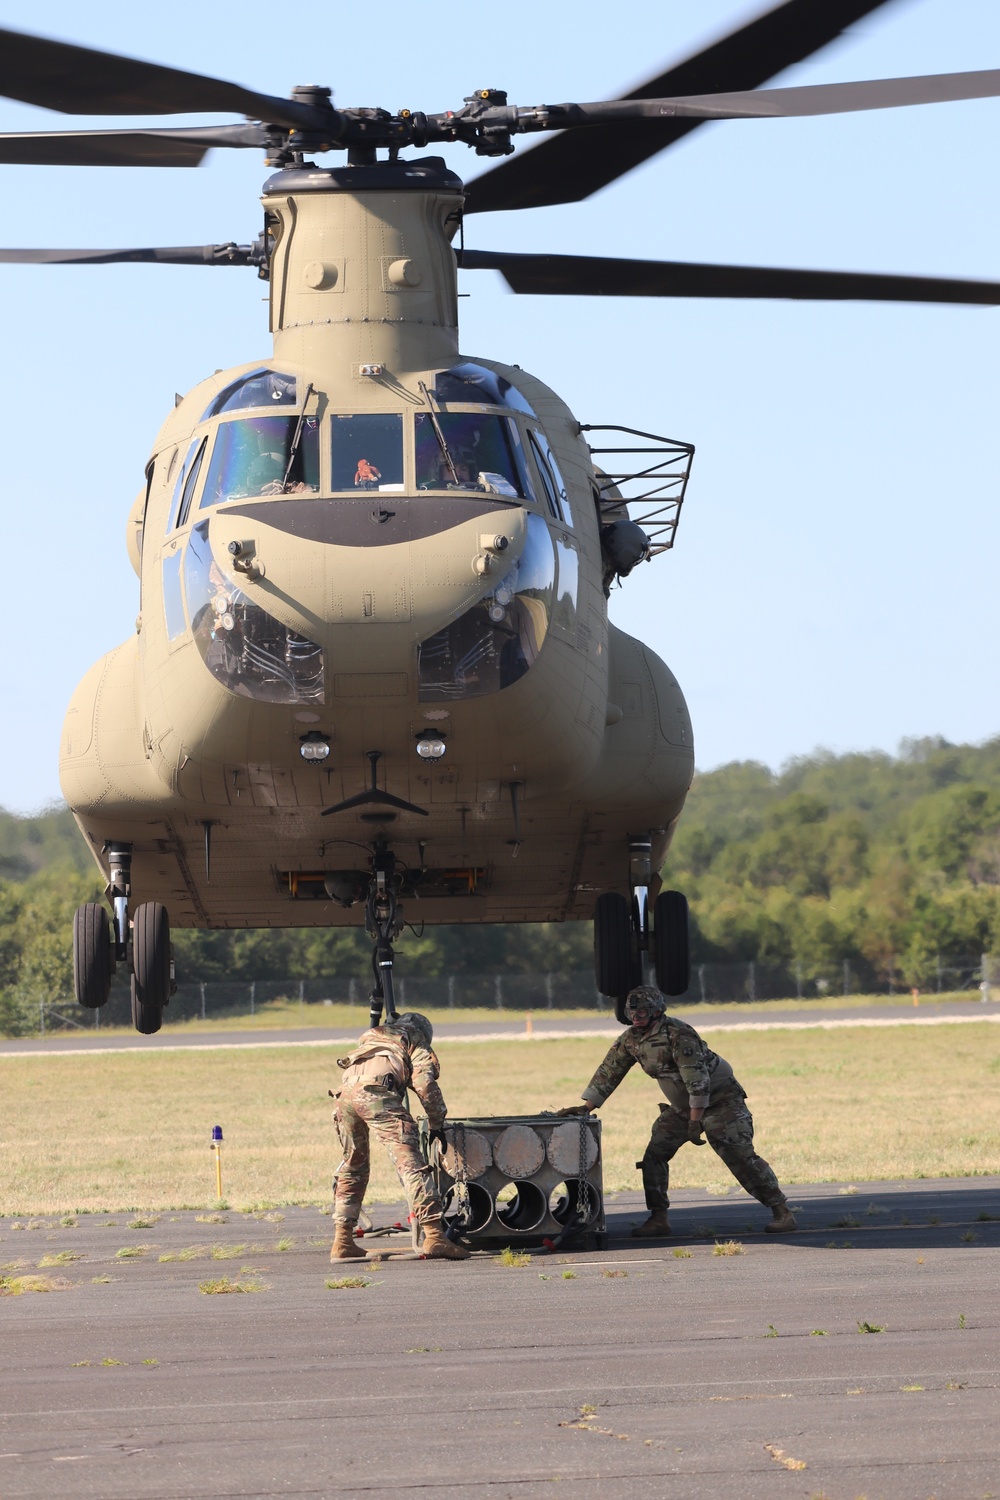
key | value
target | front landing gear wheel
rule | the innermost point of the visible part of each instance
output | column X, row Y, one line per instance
column 671, row 943
column 150, row 966
column 617, row 965
column 93, row 957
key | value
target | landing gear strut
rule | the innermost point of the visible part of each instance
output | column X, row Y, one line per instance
column 140, row 939
column 383, row 923
column 625, row 929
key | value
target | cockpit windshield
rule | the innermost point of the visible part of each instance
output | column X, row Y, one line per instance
column 464, row 450
column 258, row 388
column 258, row 456
column 367, row 452
column 470, row 383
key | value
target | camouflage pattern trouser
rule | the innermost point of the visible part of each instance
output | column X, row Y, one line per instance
column 370, row 1107
column 728, row 1128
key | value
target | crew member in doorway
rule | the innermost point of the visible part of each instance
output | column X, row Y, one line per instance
column 387, row 1061
column 702, row 1096
column 367, row 476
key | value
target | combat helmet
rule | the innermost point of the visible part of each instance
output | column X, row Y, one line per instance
column 417, row 1027
column 645, row 997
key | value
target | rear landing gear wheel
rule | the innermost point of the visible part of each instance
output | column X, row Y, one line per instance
column 150, row 966
column 93, row 957
column 617, row 965
column 671, row 943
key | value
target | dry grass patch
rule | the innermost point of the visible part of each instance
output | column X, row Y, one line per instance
column 62, row 1259
column 222, row 1285
column 16, row 1286
column 728, row 1247
column 809, row 1092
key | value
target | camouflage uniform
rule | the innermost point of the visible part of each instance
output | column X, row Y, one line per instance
column 386, row 1062
column 692, row 1076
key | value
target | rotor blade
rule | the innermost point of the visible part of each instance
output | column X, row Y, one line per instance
column 573, row 165
column 839, row 98
column 165, row 255
column 598, row 276
column 81, row 81
column 184, row 147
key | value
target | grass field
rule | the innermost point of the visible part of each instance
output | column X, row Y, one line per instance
column 279, row 1015
column 131, row 1130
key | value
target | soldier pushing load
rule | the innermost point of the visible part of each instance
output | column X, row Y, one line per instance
column 386, row 1062
column 703, row 1096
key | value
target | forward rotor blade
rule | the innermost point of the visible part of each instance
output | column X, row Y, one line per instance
column 573, row 165
column 165, row 255
column 125, row 148
column 81, row 81
column 597, row 276
column 838, row 98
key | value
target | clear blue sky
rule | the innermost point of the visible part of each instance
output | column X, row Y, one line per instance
column 834, row 580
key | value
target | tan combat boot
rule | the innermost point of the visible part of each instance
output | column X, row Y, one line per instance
column 344, row 1247
column 782, row 1219
column 655, row 1227
column 437, row 1246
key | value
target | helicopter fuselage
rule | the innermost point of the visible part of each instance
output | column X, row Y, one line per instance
column 368, row 543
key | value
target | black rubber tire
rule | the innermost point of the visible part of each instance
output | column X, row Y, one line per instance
column 617, row 965
column 150, row 966
column 93, row 958
column 672, row 943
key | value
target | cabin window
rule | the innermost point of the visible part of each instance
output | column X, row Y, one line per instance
column 263, row 456
column 367, row 452
column 173, row 603
column 462, row 450
column 246, row 649
column 191, row 484
column 472, row 383
column 493, row 644
column 258, row 388
column 566, row 593
column 552, row 480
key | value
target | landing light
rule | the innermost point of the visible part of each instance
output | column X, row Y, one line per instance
column 431, row 747
column 314, row 747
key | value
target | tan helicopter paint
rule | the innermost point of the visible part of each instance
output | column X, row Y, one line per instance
column 596, row 733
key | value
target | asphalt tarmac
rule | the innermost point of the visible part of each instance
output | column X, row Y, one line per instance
column 654, row 1369
column 508, row 1026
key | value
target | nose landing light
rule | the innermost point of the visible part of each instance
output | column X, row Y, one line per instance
column 430, row 746
column 314, row 747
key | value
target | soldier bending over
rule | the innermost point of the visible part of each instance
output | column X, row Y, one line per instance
column 386, row 1062
column 702, row 1095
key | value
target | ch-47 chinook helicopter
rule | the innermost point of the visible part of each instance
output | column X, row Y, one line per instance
column 373, row 660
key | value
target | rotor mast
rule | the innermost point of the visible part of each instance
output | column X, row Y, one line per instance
column 362, row 269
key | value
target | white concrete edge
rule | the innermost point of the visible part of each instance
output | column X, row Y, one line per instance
column 499, row 1036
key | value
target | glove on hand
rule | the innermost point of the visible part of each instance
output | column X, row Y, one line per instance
column 439, row 1136
column 695, row 1128
column 574, row 1109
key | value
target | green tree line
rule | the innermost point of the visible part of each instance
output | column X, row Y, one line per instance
column 887, row 861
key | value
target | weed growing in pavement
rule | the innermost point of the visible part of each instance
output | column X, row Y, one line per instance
column 982, row 1217
column 107, row 1360
column 284, row 1244
column 569, row 1276
column 728, row 1247
column 62, row 1259
column 847, row 1192
column 968, row 1238
column 99, row 1280
column 151, row 1361
column 911, row 1387
column 14, row 1286
column 772, row 1332
column 847, row 1221
column 611, row 1274
column 961, row 1320
column 509, row 1257
column 357, row 1284
column 132, row 1252
column 191, row 1253
column 79, row 1364
column 956, row 1385
column 228, row 1252
column 144, row 1223
column 934, row 1220
column 873, row 1209
column 210, row 1219
column 781, row 1457
column 67, row 1222
column 681, row 1254
column 223, row 1284
column 434, row 1349
column 871, row 1327
column 818, row 1333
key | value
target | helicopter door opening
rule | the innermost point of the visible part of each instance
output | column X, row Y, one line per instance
column 251, row 458
column 366, row 452
column 485, row 455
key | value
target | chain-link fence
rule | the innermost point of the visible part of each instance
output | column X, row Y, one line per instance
column 711, row 983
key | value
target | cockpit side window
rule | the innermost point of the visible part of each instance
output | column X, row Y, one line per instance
column 261, row 387
column 256, row 456
column 552, row 480
column 191, row 484
column 367, row 452
column 195, row 449
column 464, row 450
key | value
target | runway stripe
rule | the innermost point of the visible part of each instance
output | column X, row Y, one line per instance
column 501, row 1036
